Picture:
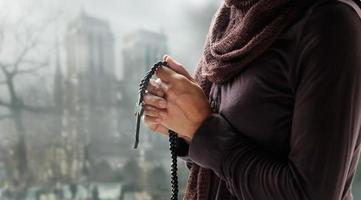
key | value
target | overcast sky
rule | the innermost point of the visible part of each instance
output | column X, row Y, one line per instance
column 176, row 18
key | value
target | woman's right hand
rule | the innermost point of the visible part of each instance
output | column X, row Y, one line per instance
column 155, row 95
column 155, row 108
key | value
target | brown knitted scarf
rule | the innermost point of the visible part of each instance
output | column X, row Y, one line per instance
column 240, row 31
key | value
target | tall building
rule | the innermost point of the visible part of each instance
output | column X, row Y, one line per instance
column 141, row 49
column 89, row 122
column 89, row 46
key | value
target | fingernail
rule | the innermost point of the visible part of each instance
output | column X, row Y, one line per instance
column 162, row 104
column 165, row 57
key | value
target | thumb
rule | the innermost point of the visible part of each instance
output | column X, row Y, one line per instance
column 177, row 67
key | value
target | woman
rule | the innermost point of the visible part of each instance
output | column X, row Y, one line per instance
column 274, row 110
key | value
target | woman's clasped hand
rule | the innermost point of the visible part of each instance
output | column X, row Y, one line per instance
column 175, row 101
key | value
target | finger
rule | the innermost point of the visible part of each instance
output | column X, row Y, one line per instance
column 151, row 123
column 176, row 66
column 150, row 120
column 155, row 112
column 159, row 129
column 165, row 74
column 154, row 88
column 155, row 101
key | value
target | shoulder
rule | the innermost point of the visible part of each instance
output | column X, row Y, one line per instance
column 333, row 19
column 331, row 26
column 346, row 7
column 329, row 41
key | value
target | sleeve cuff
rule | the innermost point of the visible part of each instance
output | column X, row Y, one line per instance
column 210, row 142
column 182, row 148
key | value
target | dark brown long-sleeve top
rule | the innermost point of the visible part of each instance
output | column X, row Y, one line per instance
column 288, row 127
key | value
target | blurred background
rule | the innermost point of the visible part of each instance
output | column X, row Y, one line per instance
column 69, row 73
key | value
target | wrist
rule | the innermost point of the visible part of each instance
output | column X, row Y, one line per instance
column 188, row 140
column 196, row 126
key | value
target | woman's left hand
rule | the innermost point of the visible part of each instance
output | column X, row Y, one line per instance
column 186, row 104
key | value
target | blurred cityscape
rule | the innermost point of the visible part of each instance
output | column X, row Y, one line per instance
column 69, row 136
column 67, row 116
column 75, row 143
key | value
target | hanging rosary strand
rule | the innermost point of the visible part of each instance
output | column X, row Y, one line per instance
column 172, row 135
column 174, row 177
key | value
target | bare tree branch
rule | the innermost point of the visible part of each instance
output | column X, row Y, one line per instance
column 32, row 70
column 22, row 55
column 3, row 68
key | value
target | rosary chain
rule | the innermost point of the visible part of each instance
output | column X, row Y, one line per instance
column 172, row 135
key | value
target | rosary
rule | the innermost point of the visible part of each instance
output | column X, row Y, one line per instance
column 172, row 135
